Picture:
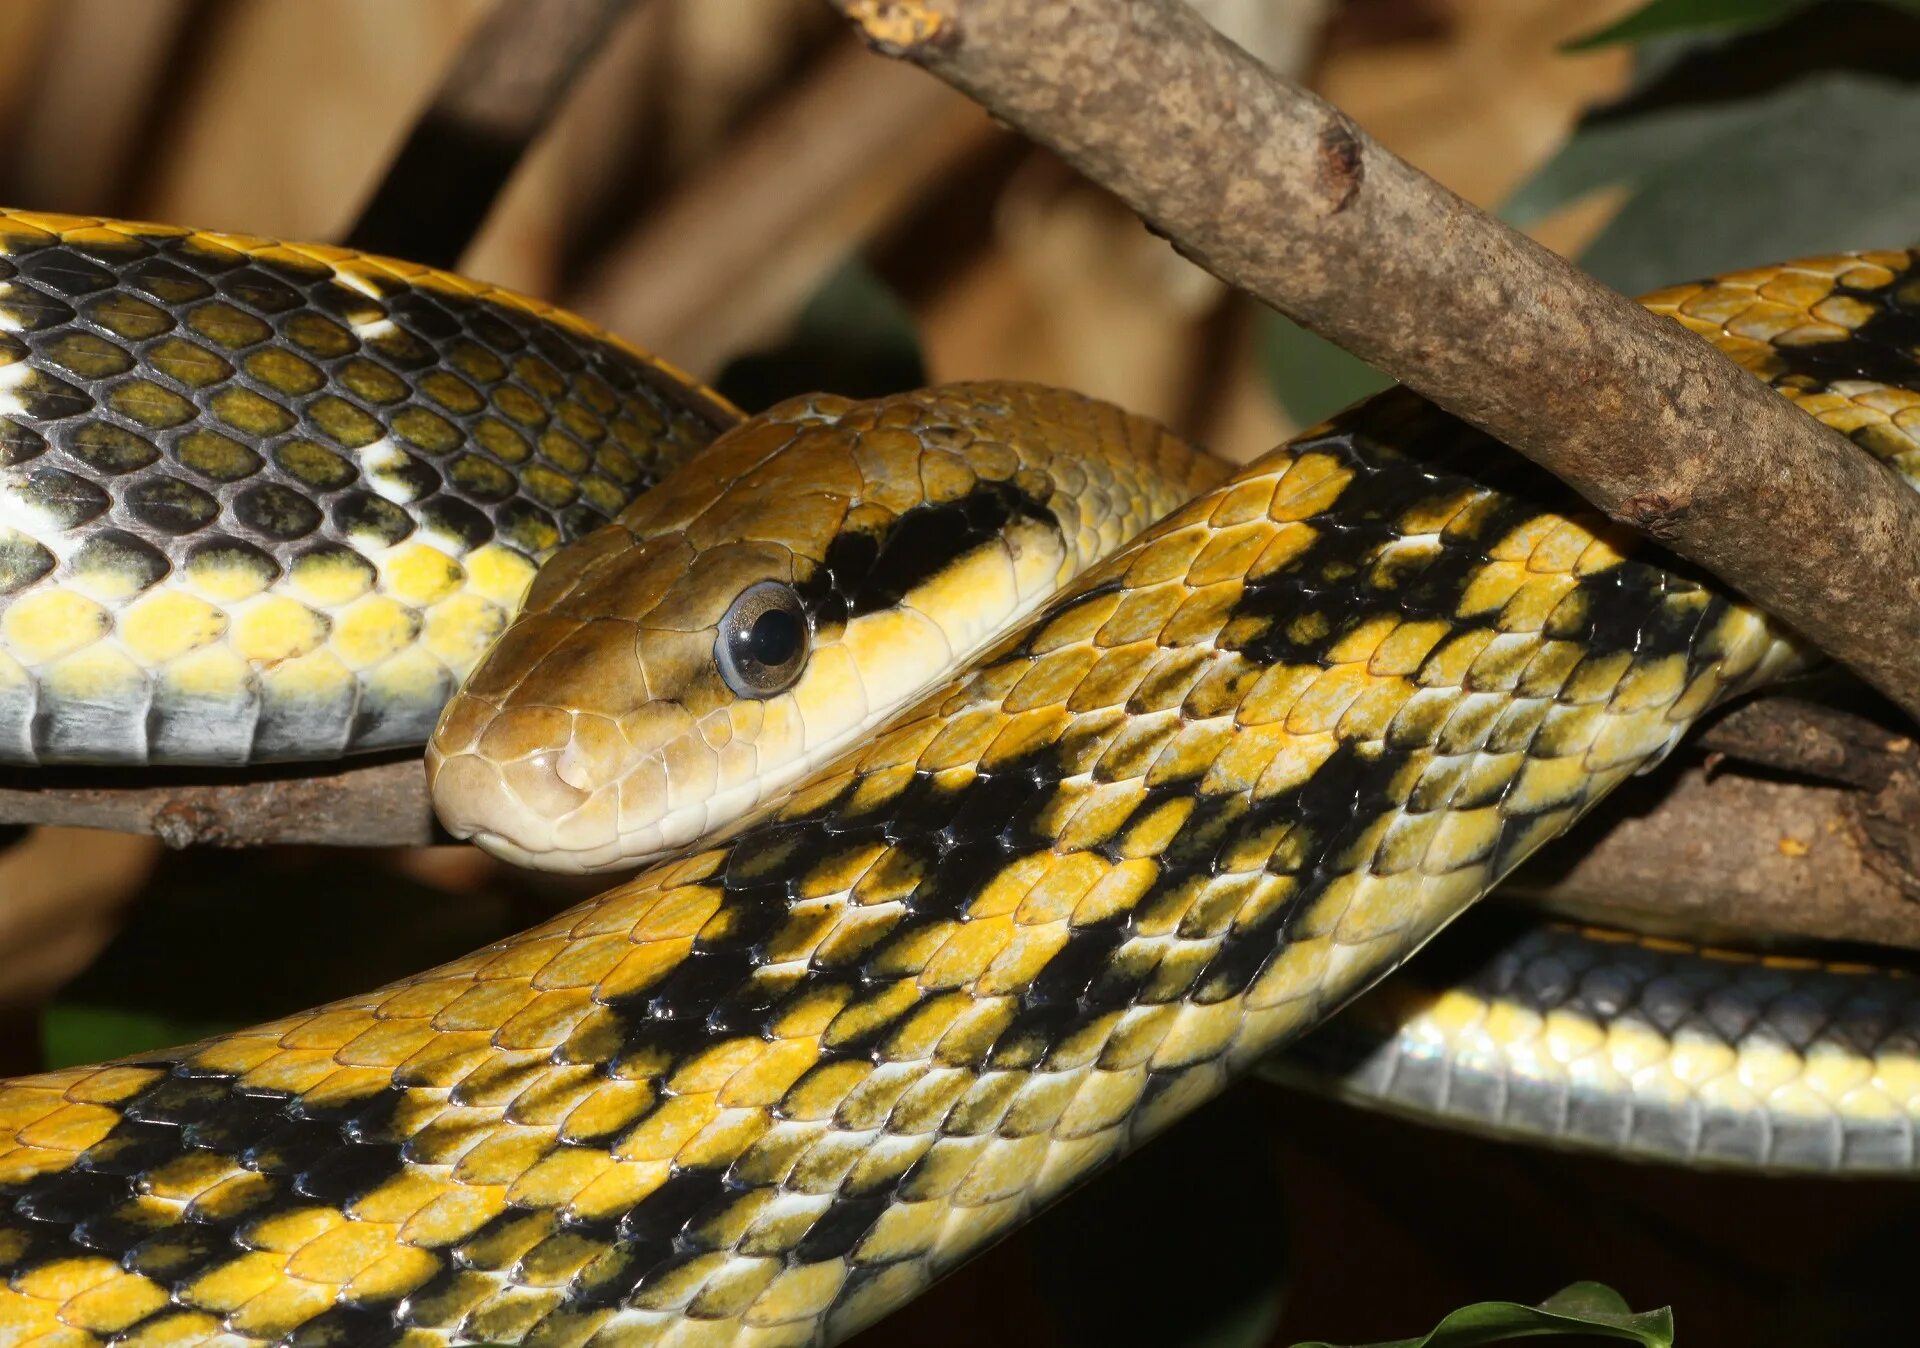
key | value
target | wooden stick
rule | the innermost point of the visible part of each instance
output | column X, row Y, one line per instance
column 1721, row 856
column 1709, row 852
column 1278, row 193
column 365, row 803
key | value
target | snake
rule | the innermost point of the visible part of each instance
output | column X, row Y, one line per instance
column 1198, row 800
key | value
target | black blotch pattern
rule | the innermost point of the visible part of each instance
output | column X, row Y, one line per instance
column 91, row 1205
column 455, row 518
column 414, row 475
column 276, row 512
column 111, row 450
column 961, row 838
column 363, row 512
column 1885, row 348
column 22, row 562
column 344, row 1327
column 169, row 506
column 66, row 271
column 67, row 498
column 19, row 443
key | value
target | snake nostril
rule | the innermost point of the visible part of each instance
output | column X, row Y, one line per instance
column 538, row 782
column 571, row 766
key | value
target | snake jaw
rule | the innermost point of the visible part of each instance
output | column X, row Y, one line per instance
column 480, row 802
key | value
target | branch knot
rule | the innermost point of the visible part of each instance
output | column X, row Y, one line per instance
column 1340, row 167
column 1656, row 514
column 903, row 28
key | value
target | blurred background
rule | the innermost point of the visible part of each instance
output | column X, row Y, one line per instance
column 738, row 186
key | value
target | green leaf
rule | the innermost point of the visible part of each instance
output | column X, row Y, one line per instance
column 1819, row 166
column 1586, row 1309
column 1628, row 153
column 1310, row 376
column 72, row 1033
column 1667, row 18
column 854, row 337
column 1674, row 18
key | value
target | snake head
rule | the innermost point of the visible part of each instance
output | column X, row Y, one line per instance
column 597, row 729
column 773, row 601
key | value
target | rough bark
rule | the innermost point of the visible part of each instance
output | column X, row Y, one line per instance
column 1721, row 856
column 366, row 803
column 1709, row 851
column 1278, row 193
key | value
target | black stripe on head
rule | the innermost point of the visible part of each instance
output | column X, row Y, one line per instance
column 868, row 572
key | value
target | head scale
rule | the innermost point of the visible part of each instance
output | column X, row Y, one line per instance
column 801, row 579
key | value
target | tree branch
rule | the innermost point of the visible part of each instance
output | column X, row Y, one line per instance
column 1717, row 855
column 363, row 803
column 1706, row 852
column 1811, row 740
column 1276, row 192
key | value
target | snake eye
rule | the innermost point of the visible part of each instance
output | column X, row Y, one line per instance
column 762, row 645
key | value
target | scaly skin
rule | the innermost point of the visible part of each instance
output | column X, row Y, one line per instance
column 586, row 726
column 1637, row 1046
column 763, row 1093
column 599, row 733
column 272, row 501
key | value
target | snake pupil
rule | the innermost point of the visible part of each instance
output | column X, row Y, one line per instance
column 762, row 645
column 774, row 638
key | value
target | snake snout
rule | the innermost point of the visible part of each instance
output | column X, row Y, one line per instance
column 533, row 785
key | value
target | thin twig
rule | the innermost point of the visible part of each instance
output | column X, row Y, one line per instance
column 1278, row 193
column 504, row 87
column 1811, row 740
column 368, row 803
column 1707, row 851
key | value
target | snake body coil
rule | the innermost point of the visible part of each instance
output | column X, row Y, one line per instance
column 1636, row 1047
column 763, row 1092
column 262, row 501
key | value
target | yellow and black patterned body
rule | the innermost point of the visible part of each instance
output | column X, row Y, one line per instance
column 269, row 501
column 1636, row 1046
column 600, row 732
column 763, row 1092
